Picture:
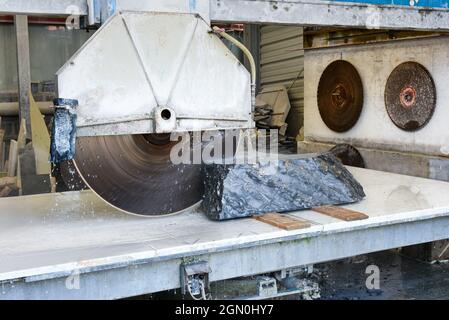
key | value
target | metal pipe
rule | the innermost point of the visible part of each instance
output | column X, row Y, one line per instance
column 221, row 32
column 12, row 108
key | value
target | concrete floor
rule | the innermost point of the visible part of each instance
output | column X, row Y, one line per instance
column 400, row 278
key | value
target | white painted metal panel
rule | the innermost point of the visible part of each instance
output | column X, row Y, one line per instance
column 374, row 63
column 179, row 6
column 139, row 63
column 107, row 79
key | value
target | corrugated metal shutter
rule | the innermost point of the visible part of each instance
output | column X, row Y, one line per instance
column 282, row 63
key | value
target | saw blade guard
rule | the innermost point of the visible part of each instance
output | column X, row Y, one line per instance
column 153, row 72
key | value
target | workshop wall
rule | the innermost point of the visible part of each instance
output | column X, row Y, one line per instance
column 282, row 63
column 50, row 47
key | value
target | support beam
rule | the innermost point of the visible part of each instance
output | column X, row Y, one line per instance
column 42, row 7
column 193, row 6
column 329, row 13
column 11, row 109
column 292, row 12
column 23, row 69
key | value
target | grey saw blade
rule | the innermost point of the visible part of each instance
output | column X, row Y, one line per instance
column 70, row 177
column 134, row 174
column 410, row 96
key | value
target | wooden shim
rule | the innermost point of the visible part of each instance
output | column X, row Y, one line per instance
column 8, row 182
column 341, row 213
column 5, row 192
column 41, row 139
column 53, row 184
column 21, row 142
column 12, row 159
column 283, row 221
column 21, row 139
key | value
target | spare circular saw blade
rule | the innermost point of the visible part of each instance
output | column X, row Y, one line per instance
column 134, row 174
column 348, row 155
column 410, row 96
column 340, row 96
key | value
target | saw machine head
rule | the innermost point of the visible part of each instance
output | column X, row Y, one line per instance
column 140, row 77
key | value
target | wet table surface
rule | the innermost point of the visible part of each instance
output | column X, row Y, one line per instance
column 53, row 232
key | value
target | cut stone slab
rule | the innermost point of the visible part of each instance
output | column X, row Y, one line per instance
column 292, row 183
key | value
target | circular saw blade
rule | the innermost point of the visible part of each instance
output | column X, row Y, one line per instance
column 410, row 96
column 70, row 177
column 340, row 96
column 134, row 174
column 348, row 155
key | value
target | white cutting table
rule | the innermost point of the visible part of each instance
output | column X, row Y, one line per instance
column 46, row 238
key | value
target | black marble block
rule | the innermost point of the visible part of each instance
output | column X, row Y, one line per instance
column 296, row 182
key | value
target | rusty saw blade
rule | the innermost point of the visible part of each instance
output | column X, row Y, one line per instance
column 410, row 96
column 134, row 173
column 340, row 96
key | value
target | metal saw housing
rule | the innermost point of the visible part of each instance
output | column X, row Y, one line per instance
column 152, row 72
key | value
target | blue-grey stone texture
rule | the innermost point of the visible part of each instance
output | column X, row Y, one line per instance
column 296, row 182
column 63, row 135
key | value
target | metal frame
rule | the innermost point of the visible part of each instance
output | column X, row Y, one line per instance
column 329, row 13
column 42, row 7
column 297, row 12
column 136, row 274
column 23, row 69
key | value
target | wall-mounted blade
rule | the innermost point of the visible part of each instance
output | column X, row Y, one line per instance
column 340, row 96
column 410, row 96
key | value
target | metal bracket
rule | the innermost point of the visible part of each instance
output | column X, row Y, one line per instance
column 267, row 287
column 164, row 119
column 195, row 278
column 298, row 271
